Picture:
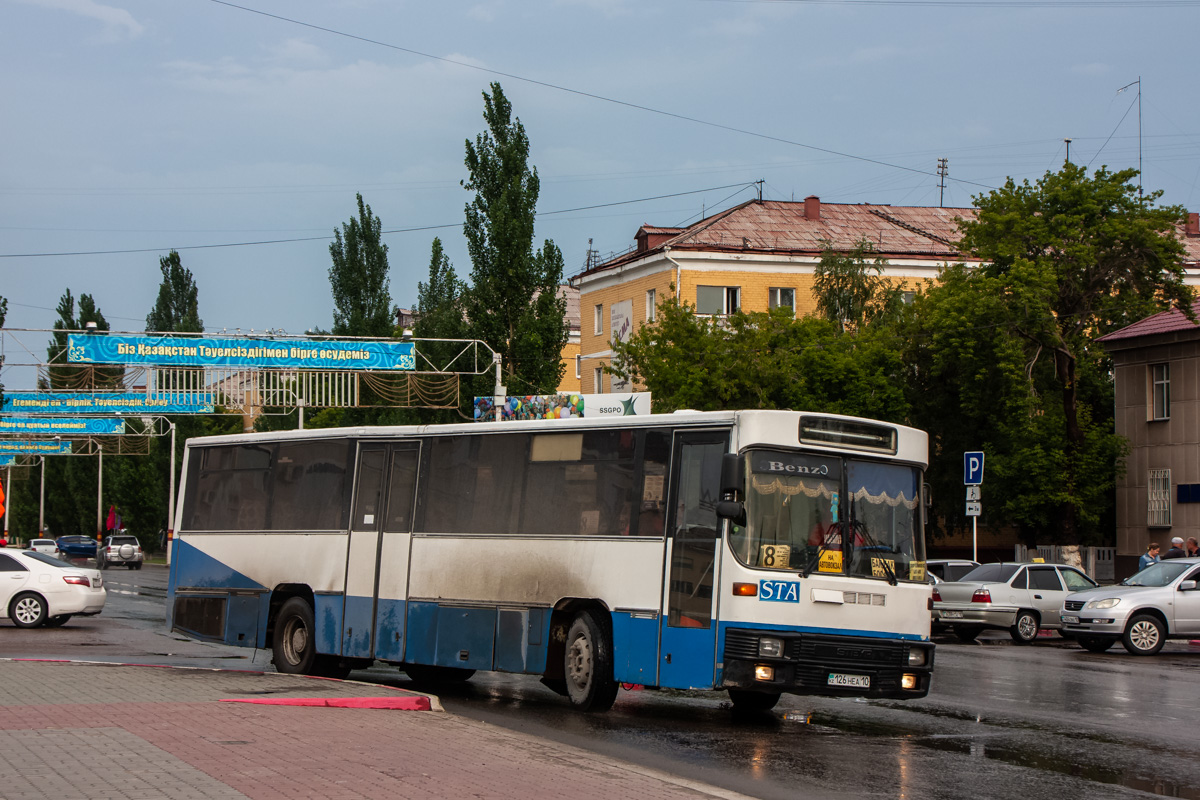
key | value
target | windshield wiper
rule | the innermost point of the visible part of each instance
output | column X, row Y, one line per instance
column 872, row 542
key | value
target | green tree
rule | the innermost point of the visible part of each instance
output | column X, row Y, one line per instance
column 359, row 279
column 764, row 360
column 513, row 303
column 177, row 308
column 850, row 289
column 440, row 314
column 1005, row 357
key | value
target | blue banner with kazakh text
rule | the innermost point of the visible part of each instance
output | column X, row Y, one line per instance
column 181, row 351
column 44, row 447
column 116, row 403
column 66, row 426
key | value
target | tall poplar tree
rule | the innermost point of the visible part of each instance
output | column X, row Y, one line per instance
column 359, row 279
column 177, row 308
column 513, row 303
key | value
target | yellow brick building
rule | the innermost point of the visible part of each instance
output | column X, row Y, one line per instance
column 753, row 257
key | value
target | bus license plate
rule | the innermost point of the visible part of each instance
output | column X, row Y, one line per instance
column 1070, row 620
column 951, row 614
column 857, row 681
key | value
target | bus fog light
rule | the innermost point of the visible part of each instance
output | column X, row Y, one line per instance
column 908, row 681
column 916, row 657
column 770, row 648
column 764, row 673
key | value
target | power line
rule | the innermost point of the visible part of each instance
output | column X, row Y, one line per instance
column 327, row 238
column 581, row 93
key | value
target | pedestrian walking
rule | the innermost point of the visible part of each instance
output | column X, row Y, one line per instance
column 1148, row 557
column 1176, row 550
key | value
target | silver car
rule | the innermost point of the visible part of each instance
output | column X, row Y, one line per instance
column 1161, row 602
column 1021, row 598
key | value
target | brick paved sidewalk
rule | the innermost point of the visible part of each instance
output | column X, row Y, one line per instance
column 71, row 730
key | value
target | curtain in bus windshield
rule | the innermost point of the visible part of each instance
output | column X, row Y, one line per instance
column 792, row 513
column 590, row 483
column 884, row 513
column 298, row 486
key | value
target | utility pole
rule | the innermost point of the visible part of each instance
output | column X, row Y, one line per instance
column 759, row 184
column 1067, row 160
column 1137, row 83
column 943, row 168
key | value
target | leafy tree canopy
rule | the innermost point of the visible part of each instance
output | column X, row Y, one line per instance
column 850, row 288
column 513, row 303
column 177, row 308
column 359, row 278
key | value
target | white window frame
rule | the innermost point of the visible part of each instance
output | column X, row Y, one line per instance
column 1158, row 498
column 1160, row 391
column 731, row 300
column 599, row 318
column 651, row 308
column 598, row 380
column 774, row 298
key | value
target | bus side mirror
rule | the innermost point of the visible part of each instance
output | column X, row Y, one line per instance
column 928, row 493
column 732, row 483
column 732, row 510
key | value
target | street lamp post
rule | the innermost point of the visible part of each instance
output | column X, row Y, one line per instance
column 171, row 500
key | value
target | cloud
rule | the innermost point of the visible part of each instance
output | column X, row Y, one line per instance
column 114, row 19
column 1093, row 69
column 297, row 52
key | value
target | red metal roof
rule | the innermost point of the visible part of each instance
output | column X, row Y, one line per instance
column 1172, row 321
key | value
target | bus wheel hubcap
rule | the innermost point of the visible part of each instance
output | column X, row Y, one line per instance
column 581, row 662
column 297, row 641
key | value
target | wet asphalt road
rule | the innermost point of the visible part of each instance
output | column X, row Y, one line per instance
column 1045, row 722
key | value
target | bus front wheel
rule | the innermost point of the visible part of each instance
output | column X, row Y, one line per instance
column 744, row 700
column 588, row 664
column 293, row 648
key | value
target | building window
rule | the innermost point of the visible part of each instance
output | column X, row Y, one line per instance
column 783, row 298
column 650, row 307
column 1158, row 502
column 579, row 366
column 718, row 299
column 1160, row 379
column 599, row 328
column 598, row 380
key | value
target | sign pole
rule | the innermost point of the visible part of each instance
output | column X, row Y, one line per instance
column 171, row 500
column 974, row 538
column 972, row 479
column 42, row 503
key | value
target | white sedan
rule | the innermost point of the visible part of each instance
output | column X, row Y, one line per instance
column 37, row 589
column 47, row 546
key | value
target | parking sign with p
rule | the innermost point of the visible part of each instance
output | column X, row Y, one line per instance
column 973, row 468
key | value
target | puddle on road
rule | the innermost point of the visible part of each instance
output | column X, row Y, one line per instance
column 974, row 744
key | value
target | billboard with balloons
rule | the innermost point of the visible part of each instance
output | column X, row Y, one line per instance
column 563, row 406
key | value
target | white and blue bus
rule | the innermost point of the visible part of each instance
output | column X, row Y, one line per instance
column 760, row 552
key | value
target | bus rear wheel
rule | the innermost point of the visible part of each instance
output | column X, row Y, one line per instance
column 293, row 647
column 588, row 664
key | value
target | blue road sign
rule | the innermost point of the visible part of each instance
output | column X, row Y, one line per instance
column 973, row 468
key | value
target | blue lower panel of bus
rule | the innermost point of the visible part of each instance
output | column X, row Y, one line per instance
column 389, row 630
column 635, row 648
column 328, row 619
column 356, row 636
column 500, row 639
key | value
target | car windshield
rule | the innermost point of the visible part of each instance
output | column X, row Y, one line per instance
column 41, row 542
column 799, row 504
column 991, row 573
column 1160, row 573
column 955, row 572
column 47, row 559
column 124, row 540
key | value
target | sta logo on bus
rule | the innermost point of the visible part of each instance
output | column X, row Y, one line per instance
column 779, row 591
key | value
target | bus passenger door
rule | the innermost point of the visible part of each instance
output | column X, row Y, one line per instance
column 391, row 584
column 362, row 560
column 688, row 638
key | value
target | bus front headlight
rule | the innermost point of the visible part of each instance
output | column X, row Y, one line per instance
column 770, row 648
column 916, row 657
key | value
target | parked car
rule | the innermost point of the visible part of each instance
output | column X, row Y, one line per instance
column 1141, row 612
column 76, row 546
column 125, row 550
column 38, row 589
column 949, row 569
column 1021, row 598
column 47, row 546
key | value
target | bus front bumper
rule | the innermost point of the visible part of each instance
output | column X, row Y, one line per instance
column 827, row 665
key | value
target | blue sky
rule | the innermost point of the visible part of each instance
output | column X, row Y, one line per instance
column 149, row 125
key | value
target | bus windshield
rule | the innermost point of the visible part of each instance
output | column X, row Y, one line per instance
column 822, row 513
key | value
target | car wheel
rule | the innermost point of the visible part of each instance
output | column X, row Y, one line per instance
column 28, row 610
column 294, row 646
column 588, row 664
column 1144, row 635
column 1025, row 629
column 1096, row 644
column 965, row 633
column 58, row 622
column 131, row 566
column 744, row 700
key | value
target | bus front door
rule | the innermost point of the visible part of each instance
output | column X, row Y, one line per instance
column 688, row 635
column 377, row 561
